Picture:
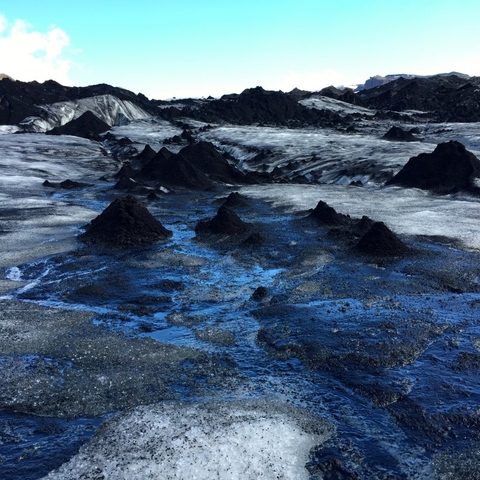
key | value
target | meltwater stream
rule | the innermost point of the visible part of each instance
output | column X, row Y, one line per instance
column 374, row 351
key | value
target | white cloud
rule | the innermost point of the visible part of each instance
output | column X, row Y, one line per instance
column 28, row 55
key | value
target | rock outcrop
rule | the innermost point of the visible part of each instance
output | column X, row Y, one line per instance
column 448, row 169
column 124, row 223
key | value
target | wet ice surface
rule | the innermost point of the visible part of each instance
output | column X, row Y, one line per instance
column 388, row 353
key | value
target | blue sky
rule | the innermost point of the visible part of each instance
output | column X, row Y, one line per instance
column 210, row 47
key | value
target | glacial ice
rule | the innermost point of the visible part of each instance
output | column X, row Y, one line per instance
column 37, row 222
column 217, row 440
column 406, row 211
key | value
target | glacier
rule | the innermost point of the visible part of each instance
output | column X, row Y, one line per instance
column 112, row 110
column 152, row 358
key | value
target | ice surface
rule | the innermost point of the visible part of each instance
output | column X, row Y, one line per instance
column 33, row 219
column 148, row 131
column 326, row 103
column 332, row 156
column 406, row 211
column 237, row 440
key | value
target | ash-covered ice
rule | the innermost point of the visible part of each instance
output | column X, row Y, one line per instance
column 217, row 440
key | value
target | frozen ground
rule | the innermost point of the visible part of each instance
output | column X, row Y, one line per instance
column 377, row 362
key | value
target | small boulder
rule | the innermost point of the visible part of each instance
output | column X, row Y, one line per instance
column 380, row 241
column 124, row 223
column 225, row 222
column 260, row 293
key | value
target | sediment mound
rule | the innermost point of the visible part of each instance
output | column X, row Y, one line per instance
column 380, row 241
column 225, row 222
column 326, row 215
column 125, row 222
column 211, row 162
column 363, row 225
column 196, row 166
column 87, row 125
column 398, row 134
column 448, row 169
column 146, row 155
column 125, row 172
column 235, row 199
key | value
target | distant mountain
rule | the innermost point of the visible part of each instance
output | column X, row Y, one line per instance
column 378, row 80
column 42, row 107
column 448, row 98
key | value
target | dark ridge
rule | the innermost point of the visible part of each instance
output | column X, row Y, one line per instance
column 174, row 171
column 259, row 106
column 398, row 134
column 225, row 222
column 19, row 100
column 125, row 222
column 380, row 241
column 449, row 168
column 87, row 125
column 345, row 95
column 211, row 162
column 326, row 215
